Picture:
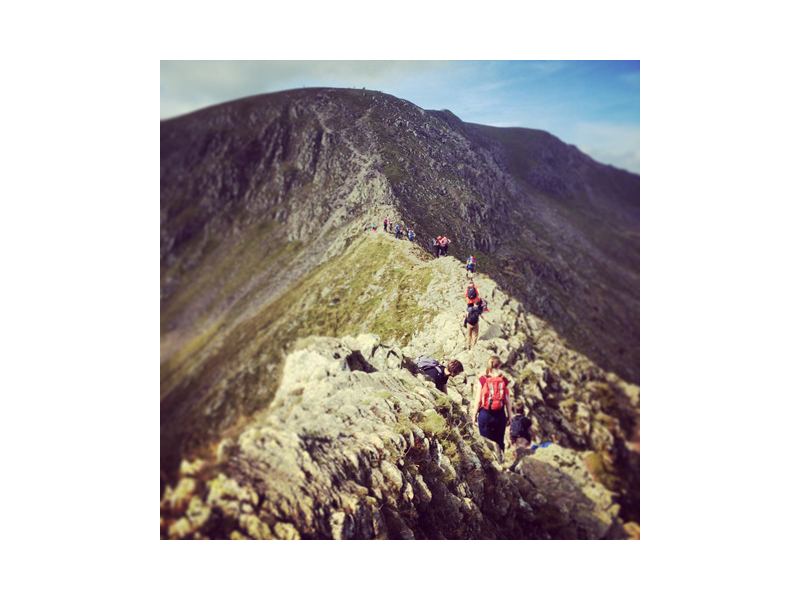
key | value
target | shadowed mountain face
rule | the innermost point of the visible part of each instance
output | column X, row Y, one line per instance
column 261, row 198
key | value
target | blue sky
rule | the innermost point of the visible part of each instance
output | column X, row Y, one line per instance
column 592, row 104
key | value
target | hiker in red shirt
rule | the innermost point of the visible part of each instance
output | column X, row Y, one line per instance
column 492, row 412
column 472, row 294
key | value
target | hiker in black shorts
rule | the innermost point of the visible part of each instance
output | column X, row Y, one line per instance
column 492, row 404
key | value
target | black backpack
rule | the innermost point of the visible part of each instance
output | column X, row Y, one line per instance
column 429, row 366
column 472, row 293
column 474, row 314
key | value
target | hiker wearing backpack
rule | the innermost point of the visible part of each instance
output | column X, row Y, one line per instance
column 471, row 322
column 492, row 404
column 445, row 243
column 384, row 224
column 521, row 430
column 472, row 294
column 437, row 372
column 470, row 266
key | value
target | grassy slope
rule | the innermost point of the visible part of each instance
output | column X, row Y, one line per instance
column 220, row 375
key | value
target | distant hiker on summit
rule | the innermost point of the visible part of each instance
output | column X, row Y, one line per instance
column 384, row 224
column 437, row 246
column 438, row 373
column 492, row 404
column 470, row 266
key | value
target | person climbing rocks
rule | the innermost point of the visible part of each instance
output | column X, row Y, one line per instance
column 492, row 404
column 390, row 226
column 437, row 246
column 384, row 224
column 521, row 430
column 471, row 322
column 438, row 373
column 410, row 235
column 472, row 294
column 470, row 266
column 397, row 231
column 445, row 243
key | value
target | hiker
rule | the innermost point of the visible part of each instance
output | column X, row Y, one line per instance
column 471, row 321
column 521, row 430
column 492, row 404
column 438, row 373
column 472, row 294
column 390, row 226
column 437, row 245
column 445, row 244
column 410, row 235
column 470, row 266
column 384, row 224
column 374, row 228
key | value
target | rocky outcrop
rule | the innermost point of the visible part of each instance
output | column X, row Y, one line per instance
column 356, row 446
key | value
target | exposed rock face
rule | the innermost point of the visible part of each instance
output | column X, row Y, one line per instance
column 356, row 446
column 359, row 448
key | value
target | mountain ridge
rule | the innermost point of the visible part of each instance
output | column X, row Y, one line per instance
column 354, row 446
column 313, row 159
column 264, row 204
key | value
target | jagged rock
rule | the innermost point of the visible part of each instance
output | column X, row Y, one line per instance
column 191, row 468
column 180, row 528
column 392, row 474
column 180, row 497
column 575, row 505
column 286, row 531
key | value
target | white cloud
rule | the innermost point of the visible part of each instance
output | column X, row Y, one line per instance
column 611, row 143
column 189, row 85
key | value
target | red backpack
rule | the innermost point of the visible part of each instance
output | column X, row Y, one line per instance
column 493, row 392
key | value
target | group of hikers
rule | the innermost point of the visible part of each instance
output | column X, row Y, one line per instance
column 399, row 230
column 492, row 412
column 440, row 245
column 492, row 407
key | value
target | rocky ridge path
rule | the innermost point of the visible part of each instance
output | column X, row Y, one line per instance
column 355, row 446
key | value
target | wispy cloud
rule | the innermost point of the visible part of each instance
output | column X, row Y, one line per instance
column 612, row 143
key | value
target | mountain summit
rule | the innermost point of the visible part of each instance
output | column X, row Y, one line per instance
column 264, row 205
